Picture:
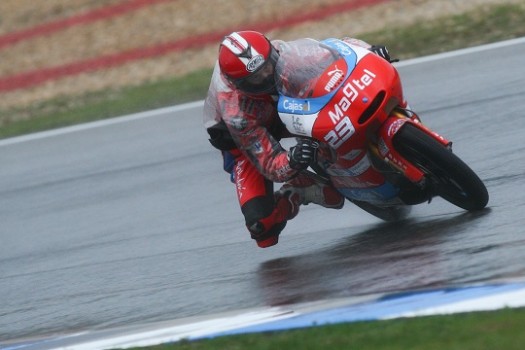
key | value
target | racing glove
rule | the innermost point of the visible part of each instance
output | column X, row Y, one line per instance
column 382, row 51
column 303, row 154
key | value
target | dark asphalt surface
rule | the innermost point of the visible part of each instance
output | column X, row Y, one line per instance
column 135, row 222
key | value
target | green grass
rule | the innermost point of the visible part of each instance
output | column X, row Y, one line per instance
column 486, row 25
column 498, row 330
column 489, row 24
column 67, row 111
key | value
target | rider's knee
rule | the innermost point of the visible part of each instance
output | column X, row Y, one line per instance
column 266, row 237
column 263, row 221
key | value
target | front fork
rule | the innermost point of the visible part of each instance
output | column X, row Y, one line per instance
column 386, row 151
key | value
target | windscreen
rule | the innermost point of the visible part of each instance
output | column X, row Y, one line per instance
column 300, row 65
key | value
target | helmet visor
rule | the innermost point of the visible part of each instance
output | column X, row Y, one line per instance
column 262, row 80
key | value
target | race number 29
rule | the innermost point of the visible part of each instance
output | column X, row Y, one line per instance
column 340, row 133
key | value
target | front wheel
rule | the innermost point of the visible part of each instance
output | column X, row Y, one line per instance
column 449, row 176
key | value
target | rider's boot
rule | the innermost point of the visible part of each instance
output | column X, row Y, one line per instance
column 288, row 202
column 316, row 193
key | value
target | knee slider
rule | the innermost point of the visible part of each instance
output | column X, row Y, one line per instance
column 262, row 221
column 259, row 232
column 266, row 238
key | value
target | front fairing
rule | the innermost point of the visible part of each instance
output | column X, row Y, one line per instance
column 334, row 92
column 325, row 90
column 309, row 74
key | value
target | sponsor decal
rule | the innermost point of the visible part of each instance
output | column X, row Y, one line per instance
column 283, row 171
column 394, row 127
column 255, row 63
column 239, row 179
column 238, row 123
column 357, row 169
column 351, row 92
column 342, row 47
column 343, row 128
column 296, row 106
column 383, row 148
column 335, row 75
column 257, row 147
column 297, row 124
column 397, row 162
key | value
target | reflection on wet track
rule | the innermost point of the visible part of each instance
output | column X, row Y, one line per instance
column 382, row 258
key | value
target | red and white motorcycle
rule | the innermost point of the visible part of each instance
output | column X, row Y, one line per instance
column 374, row 151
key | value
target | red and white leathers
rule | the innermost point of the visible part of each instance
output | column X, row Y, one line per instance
column 259, row 158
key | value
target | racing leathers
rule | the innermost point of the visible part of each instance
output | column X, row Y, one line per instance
column 247, row 129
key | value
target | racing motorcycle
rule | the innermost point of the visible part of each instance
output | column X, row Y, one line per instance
column 373, row 149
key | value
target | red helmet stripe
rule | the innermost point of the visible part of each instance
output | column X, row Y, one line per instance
column 238, row 45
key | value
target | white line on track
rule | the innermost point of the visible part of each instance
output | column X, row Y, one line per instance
column 101, row 123
column 352, row 309
column 191, row 105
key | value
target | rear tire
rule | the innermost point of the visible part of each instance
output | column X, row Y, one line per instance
column 450, row 178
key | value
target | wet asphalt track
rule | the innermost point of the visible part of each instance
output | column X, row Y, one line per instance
column 135, row 222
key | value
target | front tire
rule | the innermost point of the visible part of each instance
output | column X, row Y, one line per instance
column 450, row 178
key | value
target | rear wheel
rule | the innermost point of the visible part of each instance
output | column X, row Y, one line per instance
column 450, row 178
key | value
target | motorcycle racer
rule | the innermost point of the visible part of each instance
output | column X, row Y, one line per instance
column 240, row 115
